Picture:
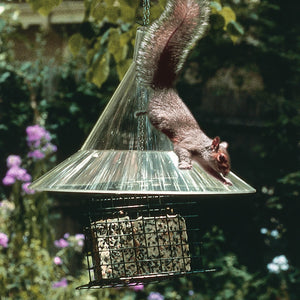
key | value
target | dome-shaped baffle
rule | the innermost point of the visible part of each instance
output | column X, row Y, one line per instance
column 124, row 154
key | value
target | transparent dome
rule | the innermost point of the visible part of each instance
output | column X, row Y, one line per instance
column 124, row 154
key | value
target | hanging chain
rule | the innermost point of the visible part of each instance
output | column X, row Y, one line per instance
column 141, row 94
column 146, row 16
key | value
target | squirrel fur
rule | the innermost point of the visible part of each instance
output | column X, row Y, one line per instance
column 161, row 56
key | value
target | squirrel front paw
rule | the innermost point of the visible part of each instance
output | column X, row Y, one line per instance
column 183, row 165
column 227, row 181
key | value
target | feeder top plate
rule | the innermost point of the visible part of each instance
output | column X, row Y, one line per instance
column 133, row 172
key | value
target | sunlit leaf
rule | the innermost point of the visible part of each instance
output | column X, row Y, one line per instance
column 98, row 10
column 100, row 70
column 112, row 10
column 75, row 43
column 128, row 13
column 228, row 14
column 122, row 67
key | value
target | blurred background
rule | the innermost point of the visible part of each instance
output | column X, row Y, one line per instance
column 61, row 61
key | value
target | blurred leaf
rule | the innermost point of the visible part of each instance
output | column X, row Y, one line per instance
column 99, row 71
column 117, row 46
column 75, row 43
column 128, row 12
column 2, row 24
column 217, row 21
column 292, row 179
column 112, row 10
column 228, row 15
column 98, row 10
column 215, row 7
column 122, row 67
column 235, row 28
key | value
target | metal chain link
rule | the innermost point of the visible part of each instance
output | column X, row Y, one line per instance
column 141, row 118
column 146, row 17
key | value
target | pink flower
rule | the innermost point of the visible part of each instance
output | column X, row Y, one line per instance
column 37, row 154
column 26, row 189
column 8, row 180
column 3, row 240
column 136, row 286
column 35, row 133
column 155, row 296
column 61, row 243
column 79, row 236
column 80, row 243
column 49, row 148
column 57, row 260
column 62, row 283
column 13, row 160
column 18, row 173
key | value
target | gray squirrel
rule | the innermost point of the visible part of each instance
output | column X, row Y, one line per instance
column 161, row 56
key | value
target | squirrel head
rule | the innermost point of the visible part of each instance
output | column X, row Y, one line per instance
column 220, row 156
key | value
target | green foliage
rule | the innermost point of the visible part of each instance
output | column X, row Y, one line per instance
column 114, row 33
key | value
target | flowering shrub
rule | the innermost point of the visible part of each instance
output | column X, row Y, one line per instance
column 25, row 230
column 38, row 139
column 278, row 264
column 15, row 172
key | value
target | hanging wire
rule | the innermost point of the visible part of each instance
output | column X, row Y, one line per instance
column 142, row 92
column 146, row 15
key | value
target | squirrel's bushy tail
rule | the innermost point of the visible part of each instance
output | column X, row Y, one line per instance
column 168, row 41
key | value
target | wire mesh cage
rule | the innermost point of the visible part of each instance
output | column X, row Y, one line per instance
column 137, row 239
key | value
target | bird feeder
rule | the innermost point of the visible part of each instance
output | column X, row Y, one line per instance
column 141, row 227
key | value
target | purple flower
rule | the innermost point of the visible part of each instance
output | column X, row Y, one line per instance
column 15, row 172
column 62, row 283
column 66, row 235
column 18, row 173
column 79, row 236
column 57, row 260
column 3, row 240
column 155, row 296
column 80, row 243
column 37, row 154
column 136, row 286
column 8, row 180
column 35, row 133
column 49, row 148
column 13, row 160
column 61, row 243
column 26, row 189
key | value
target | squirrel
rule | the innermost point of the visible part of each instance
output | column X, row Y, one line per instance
column 161, row 56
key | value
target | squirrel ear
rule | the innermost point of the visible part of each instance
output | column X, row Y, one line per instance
column 215, row 143
column 224, row 145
